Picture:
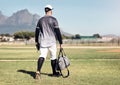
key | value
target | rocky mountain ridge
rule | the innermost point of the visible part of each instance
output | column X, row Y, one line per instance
column 21, row 20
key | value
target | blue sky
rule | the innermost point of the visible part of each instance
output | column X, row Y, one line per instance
column 84, row 17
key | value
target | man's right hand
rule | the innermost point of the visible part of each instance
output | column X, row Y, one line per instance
column 37, row 46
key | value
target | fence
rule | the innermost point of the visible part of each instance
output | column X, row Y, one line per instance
column 76, row 42
column 94, row 42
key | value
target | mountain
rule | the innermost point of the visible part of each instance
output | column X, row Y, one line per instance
column 110, row 35
column 22, row 17
column 21, row 20
column 66, row 34
column 2, row 18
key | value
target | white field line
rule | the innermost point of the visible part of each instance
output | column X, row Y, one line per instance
column 49, row 60
column 16, row 60
column 92, row 47
column 75, row 47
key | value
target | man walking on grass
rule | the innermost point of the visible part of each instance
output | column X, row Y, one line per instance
column 46, row 33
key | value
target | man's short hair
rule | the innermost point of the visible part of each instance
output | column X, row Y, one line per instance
column 47, row 9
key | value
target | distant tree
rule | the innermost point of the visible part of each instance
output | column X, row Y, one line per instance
column 73, row 37
column 63, row 37
column 77, row 36
column 118, row 41
column 66, row 37
column 6, row 34
column 97, row 35
column 23, row 35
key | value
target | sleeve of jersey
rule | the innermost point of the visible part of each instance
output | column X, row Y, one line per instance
column 57, row 31
column 58, row 35
column 37, row 33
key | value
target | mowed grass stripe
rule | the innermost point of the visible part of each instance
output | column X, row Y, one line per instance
column 30, row 53
column 88, row 67
column 70, row 60
column 87, row 72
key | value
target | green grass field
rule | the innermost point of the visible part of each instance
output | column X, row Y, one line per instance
column 88, row 67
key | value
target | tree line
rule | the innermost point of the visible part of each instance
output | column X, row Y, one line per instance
column 27, row 35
